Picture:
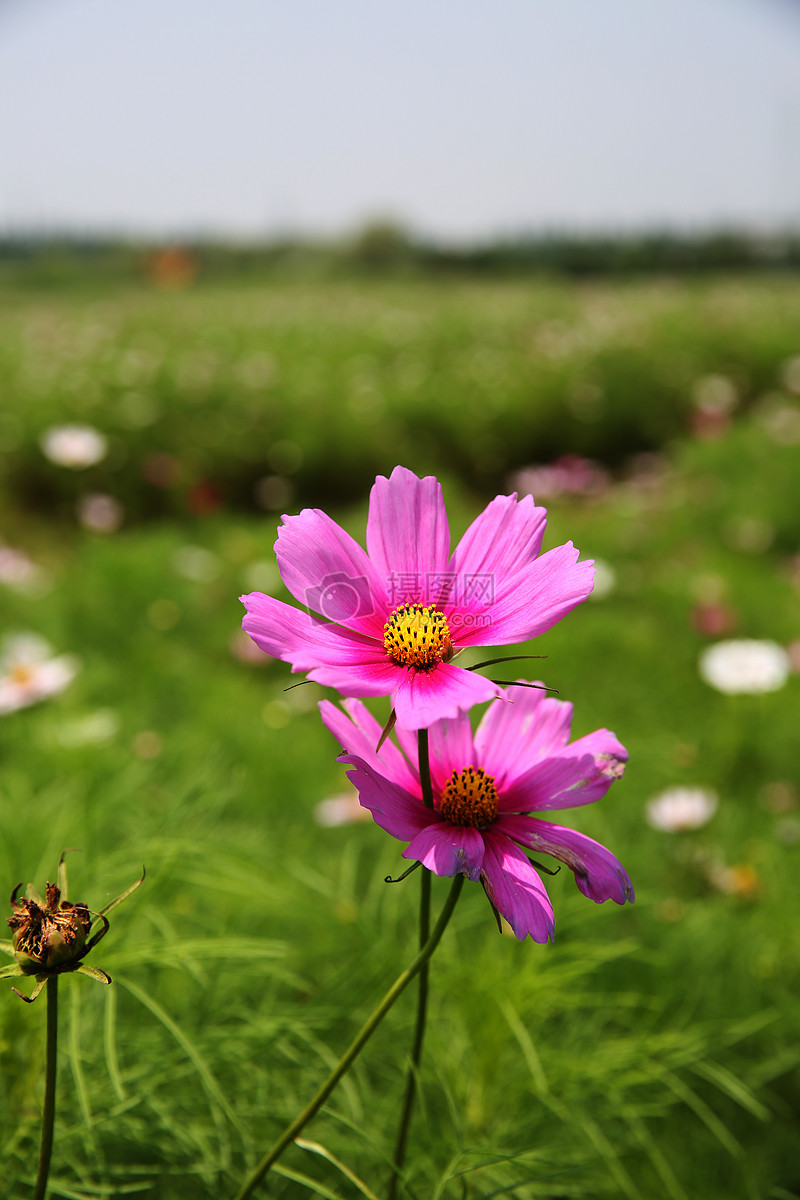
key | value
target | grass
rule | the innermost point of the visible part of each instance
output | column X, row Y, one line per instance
column 652, row 1050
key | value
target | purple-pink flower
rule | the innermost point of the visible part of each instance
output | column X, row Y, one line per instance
column 392, row 619
column 489, row 789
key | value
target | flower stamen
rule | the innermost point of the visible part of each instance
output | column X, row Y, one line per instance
column 417, row 635
column 470, row 798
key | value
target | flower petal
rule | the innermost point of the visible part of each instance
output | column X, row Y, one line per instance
column 505, row 538
column 580, row 774
column 451, row 749
column 598, row 874
column 449, row 850
column 299, row 638
column 408, row 537
column 512, row 737
column 427, row 696
column 529, row 603
column 394, row 809
column 358, row 733
column 327, row 571
column 516, row 890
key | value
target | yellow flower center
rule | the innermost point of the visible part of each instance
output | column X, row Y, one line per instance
column 22, row 675
column 417, row 635
column 470, row 798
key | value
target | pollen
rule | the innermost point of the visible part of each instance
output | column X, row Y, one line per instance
column 470, row 798
column 417, row 635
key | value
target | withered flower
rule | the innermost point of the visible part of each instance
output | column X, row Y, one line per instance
column 52, row 936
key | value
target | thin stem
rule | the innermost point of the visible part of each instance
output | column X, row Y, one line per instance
column 415, row 1057
column 423, row 756
column 355, row 1047
column 49, row 1110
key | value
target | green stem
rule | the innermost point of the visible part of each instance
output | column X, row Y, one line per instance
column 355, row 1047
column 415, row 1058
column 49, row 1110
column 423, row 756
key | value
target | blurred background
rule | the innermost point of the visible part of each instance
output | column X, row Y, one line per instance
column 251, row 256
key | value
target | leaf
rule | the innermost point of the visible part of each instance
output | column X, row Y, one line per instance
column 93, row 973
column 317, row 1148
column 124, row 896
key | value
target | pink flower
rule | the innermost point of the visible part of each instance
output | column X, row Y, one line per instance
column 489, row 789
column 392, row 619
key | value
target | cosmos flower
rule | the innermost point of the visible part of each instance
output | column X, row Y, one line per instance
column 74, row 446
column 489, row 791
column 29, row 672
column 681, row 808
column 745, row 666
column 392, row 619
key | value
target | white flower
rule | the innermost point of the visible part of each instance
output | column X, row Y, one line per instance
column 29, row 672
column 340, row 810
column 74, row 446
column 100, row 513
column 746, row 665
column 605, row 580
column 17, row 570
column 681, row 808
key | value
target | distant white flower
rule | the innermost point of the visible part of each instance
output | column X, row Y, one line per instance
column 605, row 580
column 100, row 513
column 745, row 665
column 29, row 672
column 681, row 808
column 17, row 570
column 74, row 446
column 196, row 563
column 340, row 810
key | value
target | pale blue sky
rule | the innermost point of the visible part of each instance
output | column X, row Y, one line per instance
column 465, row 119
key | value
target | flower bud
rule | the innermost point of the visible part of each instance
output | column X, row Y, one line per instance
column 48, row 933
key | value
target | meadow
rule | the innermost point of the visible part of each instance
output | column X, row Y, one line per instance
column 652, row 1050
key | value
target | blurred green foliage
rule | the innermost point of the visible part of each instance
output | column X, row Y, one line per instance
column 651, row 1051
column 240, row 397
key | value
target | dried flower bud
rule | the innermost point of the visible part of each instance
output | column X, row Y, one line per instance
column 53, row 935
column 47, row 934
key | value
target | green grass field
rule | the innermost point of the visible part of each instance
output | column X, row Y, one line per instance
column 651, row 1051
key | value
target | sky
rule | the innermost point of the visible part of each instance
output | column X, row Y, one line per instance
column 462, row 119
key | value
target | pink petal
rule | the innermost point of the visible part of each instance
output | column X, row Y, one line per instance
column 512, row 737
column 331, row 655
column 400, row 814
column 529, row 603
column 360, row 679
column 598, row 874
column 301, row 639
column 358, row 733
column 451, row 749
column 609, row 754
column 328, row 572
column 408, row 537
column 504, row 539
column 516, row 890
column 427, row 696
column 580, row 774
column 448, row 850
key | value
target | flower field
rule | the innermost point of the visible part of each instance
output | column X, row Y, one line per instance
column 150, row 441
